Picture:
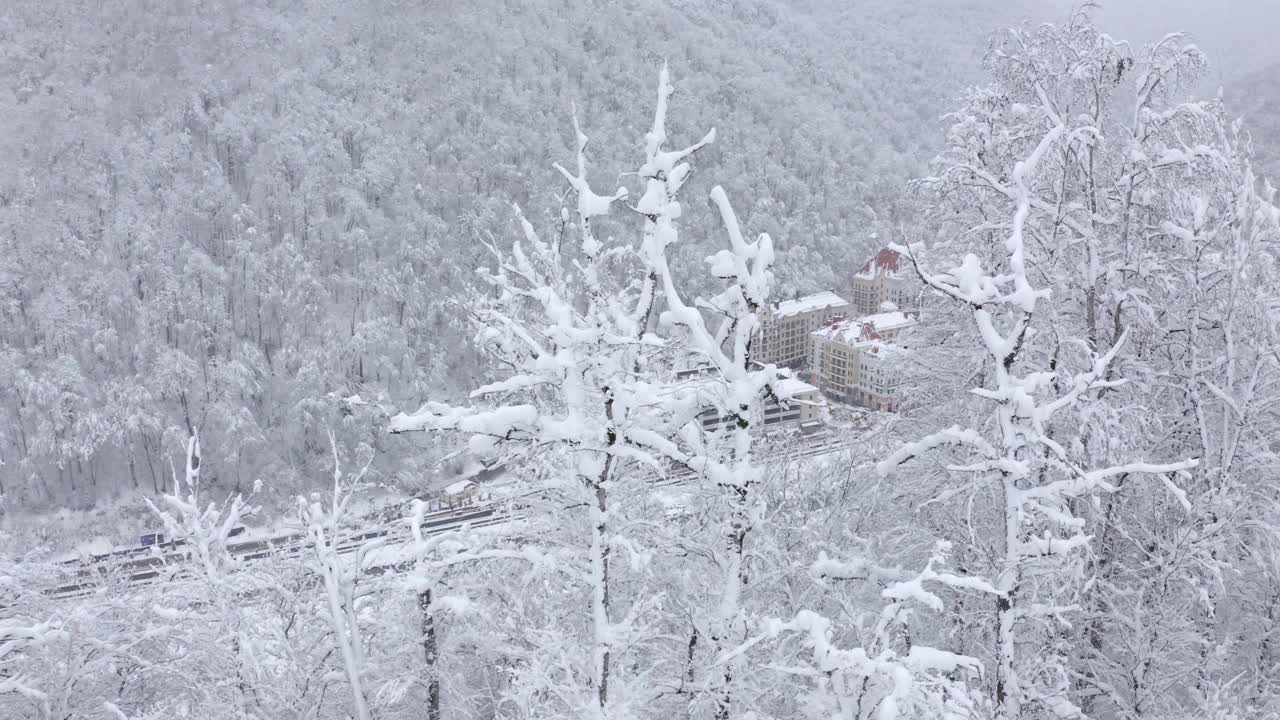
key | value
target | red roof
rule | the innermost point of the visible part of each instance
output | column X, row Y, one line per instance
column 885, row 260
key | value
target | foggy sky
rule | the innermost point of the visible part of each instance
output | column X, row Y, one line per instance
column 1240, row 36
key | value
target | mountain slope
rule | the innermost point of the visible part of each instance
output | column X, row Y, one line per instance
column 227, row 215
column 1256, row 99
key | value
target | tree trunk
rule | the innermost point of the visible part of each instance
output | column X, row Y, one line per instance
column 430, row 654
column 1008, row 697
column 600, row 595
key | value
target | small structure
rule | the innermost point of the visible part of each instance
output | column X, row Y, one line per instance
column 852, row 359
column 462, row 489
column 803, row 403
column 783, row 338
column 812, row 427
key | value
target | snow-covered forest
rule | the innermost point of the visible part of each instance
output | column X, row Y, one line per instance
column 227, row 214
column 391, row 360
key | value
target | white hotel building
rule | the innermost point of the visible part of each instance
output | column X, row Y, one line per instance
column 784, row 335
column 853, row 359
column 882, row 279
column 844, row 347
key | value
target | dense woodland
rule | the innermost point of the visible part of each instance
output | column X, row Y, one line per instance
column 1073, row 515
column 228, row 215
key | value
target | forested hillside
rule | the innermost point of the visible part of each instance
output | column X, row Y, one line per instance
column 1256, row 99
column 229, row 215
column 228, row 222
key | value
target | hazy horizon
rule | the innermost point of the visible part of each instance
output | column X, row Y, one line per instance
column 1234, row 33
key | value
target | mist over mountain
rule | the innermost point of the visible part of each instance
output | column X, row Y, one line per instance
column 1237, row 34
column 1255, row 98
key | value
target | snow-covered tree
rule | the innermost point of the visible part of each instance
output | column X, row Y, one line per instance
column 18, row 636
column 1147, row 228
column 328, row 538
column 610, row 372
column 1028, row 479
column 575, row 340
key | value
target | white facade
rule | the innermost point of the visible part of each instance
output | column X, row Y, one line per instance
column 884, row 278
column 852, row 359
column 784, row 336
column 803, row 406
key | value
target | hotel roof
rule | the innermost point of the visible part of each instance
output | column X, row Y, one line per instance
column 868, row 328
column 885, row 262
column 809, row 303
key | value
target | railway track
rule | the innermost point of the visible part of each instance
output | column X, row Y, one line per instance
column 168, row 560
column 171, row 565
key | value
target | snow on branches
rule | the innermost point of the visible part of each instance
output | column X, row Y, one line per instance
column 206, row 530
column 593, row 408
column 1035, row 477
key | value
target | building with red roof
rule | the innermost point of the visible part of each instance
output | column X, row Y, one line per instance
column 885, row 278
